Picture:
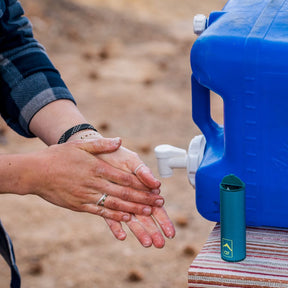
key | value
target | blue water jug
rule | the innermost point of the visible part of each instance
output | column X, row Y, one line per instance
column 243, row 57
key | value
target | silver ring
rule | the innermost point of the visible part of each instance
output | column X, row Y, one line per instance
column 138, row 167
column 102, row 199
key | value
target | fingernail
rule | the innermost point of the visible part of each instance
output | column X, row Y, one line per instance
column 126, row 217
column 170, row 236
column 158, row 183
column 156, row 191
column 159, row 202
column 159, row 241
column 147, row 242
column 170, row 233
column 121, row 236
column 147, row 211
column 116, row 141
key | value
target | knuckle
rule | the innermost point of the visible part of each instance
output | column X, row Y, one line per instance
column 100, row 170
column 125, row 195
column 148, row 198
column 114, row 204
column 127, row 180
column 101, row 211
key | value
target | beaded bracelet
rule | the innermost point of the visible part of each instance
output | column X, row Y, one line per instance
column 74, row 130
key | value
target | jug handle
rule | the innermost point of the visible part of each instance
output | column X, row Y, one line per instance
column 201, row 112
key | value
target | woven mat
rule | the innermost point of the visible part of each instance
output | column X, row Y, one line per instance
column 266, row 264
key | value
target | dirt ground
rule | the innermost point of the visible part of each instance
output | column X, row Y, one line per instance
column 127, row 65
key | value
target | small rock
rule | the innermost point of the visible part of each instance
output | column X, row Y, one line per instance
column 88, row 55
column 72, row 34
column 35, row 267
column 134, row 276
column 93, row 75
column 148, row 81
column 104, row 126
column 103, row 54
column 181, row 221
column 163, row 66
column 145, row 149
column 111, row 48
column 189, row 251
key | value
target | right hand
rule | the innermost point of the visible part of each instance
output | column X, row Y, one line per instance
column 145, row 228
column 71, row 175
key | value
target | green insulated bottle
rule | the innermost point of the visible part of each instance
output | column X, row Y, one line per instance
column 232, row 219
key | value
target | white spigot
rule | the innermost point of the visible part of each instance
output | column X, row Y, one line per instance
column 170, row 157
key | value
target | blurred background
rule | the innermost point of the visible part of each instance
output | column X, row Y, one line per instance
column 127, row 64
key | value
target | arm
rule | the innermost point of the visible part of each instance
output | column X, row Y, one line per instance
column 37, row 102
column 36, row 99
column 39, row 173
column 143, row 227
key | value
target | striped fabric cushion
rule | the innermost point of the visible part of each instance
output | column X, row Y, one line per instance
column 266, row 264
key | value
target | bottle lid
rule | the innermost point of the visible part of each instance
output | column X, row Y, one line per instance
column 232, row 183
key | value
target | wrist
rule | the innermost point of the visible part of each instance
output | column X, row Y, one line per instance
column 85, row 135
column 75, row 130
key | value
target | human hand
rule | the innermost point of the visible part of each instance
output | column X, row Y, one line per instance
column 74, row 177
column 125, row 160
column 145, row 228
column 129, row 161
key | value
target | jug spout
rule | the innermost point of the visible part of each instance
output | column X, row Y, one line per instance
column 171, row 157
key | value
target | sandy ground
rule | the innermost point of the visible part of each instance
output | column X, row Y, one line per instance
column 127, row 64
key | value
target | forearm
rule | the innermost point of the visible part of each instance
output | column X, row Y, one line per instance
column 28, row 79
column 16, row 173
column 54, row 119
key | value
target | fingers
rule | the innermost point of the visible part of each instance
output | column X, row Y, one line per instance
column 161, row 217
column 139, row 231
column 116, row 229
column 115, row 203
column 105, row 212
column 118, row 183
column 125, row 156
column 100, row 145
column 152, row 229
column 145, row 175
column 146, row 230
column 115, row 175
column 111, row 203
column 127, row 194
column 136, row 166
column 125, row 159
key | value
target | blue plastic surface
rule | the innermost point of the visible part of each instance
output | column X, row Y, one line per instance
column 243, row 57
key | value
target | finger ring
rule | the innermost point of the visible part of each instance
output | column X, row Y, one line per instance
column 102, row 199
column 138, row 167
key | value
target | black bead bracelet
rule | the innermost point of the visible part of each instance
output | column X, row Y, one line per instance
column 74, row 130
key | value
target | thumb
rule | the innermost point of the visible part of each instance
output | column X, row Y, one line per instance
column 101, row 145
column 145, row 175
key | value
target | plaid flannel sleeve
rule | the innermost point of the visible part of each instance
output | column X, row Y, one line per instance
column 28, row 79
